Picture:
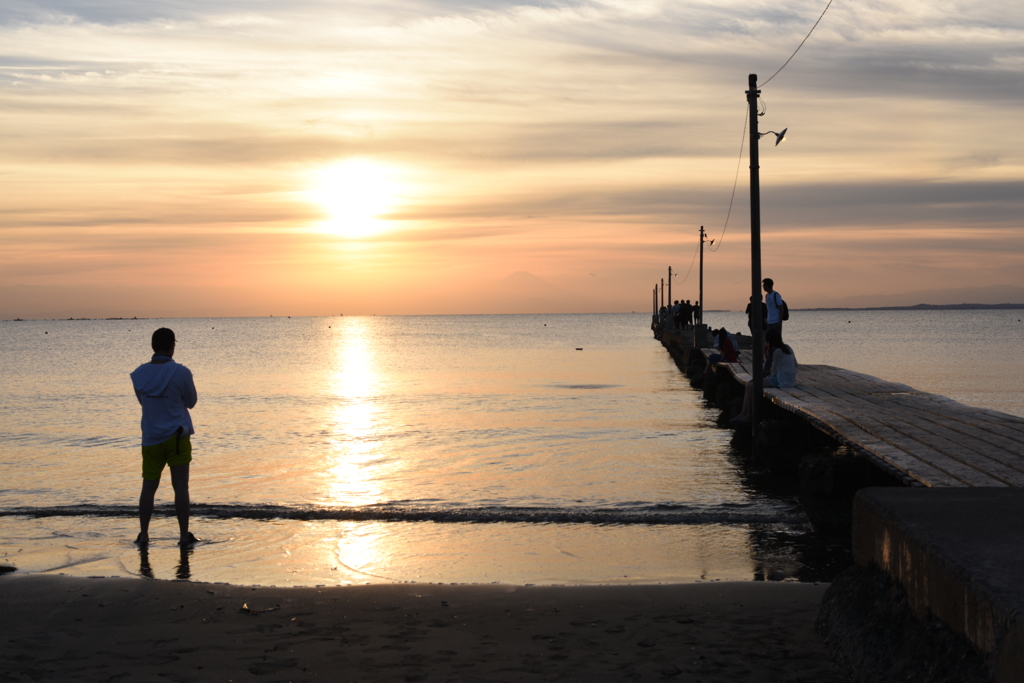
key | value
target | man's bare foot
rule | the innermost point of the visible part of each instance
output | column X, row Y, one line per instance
column 188, row 540
column 142, row 539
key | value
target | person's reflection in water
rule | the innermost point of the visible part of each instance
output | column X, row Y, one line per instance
column 144, row 567
column 184, row 571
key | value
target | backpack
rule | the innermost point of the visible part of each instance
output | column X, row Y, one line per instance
column 783, row 308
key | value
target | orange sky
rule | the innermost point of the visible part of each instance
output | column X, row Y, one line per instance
column 304, row 158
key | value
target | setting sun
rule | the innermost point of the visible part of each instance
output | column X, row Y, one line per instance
column 354, row 193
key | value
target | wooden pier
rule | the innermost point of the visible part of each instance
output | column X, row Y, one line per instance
column 952, row 539
column 930, row 440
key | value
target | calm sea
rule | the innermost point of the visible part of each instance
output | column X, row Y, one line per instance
column 539, row 449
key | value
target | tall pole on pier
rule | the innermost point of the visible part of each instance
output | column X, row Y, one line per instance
column 662, row 293
column 756, row 330
column 701, row 289
column 670, row 285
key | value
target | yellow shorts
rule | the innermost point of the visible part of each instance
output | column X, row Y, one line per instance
column 177, row 450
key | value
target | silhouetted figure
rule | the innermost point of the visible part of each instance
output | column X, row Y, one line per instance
column 773, row 303
column 165, row 391
column 727, row 349
column 764, row 317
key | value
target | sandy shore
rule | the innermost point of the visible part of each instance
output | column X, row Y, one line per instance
column 58, row 628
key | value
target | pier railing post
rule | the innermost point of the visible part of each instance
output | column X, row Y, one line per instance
column 756, row 330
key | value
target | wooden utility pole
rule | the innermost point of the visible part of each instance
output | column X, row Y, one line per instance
column 701, row 290
column 756, row 330
column 670, row 286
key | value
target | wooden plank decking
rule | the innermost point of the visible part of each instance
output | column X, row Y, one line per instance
column 929, row 439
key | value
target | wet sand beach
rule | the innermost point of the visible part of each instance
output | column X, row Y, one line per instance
column 59, row 628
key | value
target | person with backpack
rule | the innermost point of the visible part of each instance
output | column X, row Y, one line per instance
column 777, row 308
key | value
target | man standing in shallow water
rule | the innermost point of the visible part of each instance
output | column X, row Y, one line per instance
column 166, row 391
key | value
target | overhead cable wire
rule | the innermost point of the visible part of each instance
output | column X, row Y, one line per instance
column 746, row 121
column 691, row 264
column 761, row 85
column 763, row 108
column 735, row 181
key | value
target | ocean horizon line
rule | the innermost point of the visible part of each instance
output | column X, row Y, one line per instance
column 914, row 307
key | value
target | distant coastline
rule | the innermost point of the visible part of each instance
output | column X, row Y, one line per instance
column 916, row 307
column 925, row 307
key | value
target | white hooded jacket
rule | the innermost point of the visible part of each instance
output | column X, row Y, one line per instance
column 166, row 391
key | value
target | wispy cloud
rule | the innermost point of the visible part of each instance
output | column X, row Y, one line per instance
column 567, row 134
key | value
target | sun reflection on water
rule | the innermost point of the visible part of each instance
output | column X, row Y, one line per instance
column 357, row 455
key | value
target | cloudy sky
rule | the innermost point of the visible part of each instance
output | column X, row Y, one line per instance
column 401, row 156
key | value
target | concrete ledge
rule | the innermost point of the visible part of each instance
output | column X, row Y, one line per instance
column 959, row 554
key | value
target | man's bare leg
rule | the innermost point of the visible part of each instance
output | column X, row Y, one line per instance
column 149, row 488
column 179, row 480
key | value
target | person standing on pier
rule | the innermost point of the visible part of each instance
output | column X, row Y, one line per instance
column 165, row 391
column 774, row 302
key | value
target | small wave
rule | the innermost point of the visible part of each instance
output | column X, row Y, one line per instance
column 643, row 514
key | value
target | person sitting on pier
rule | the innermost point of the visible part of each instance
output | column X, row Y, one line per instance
column 783, row 369
column 726, row 345
column 783, row 374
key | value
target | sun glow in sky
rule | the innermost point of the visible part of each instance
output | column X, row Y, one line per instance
column 355, row 194
column 229, row 158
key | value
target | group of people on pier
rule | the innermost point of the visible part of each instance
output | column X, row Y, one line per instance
column 681, row 315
